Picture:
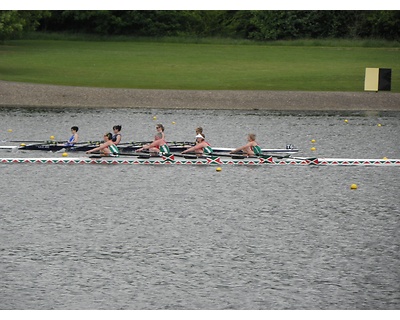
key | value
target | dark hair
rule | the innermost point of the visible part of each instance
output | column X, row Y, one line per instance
column 109, row 135
column 199, row 130
column 118, row 127
column 75, row 128
column 161, row 126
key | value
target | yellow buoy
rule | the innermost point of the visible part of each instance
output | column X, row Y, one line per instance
column 346, row 120
column 353, row 186
column 65, row 154
column 154, row 118
column 218, row 169
column 313, row 149
column 9, row 130
column 173, row 122
column 313, row 141
column 22, row 144
column 52, row 138
column 379, row 125
column 385, row 158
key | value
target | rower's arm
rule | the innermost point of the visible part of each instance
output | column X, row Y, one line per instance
column 194, row 148
column 101, row 147
column 155, row 143
column 240, row 148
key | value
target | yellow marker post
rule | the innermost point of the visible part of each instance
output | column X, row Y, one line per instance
column 371, row 79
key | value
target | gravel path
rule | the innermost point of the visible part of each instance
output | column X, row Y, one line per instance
column 39, row 95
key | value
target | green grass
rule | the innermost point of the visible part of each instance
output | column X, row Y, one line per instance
column 305, row 65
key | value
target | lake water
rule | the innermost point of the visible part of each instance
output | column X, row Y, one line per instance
column 189, row 237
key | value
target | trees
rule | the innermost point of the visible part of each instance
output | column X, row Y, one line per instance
column 254, row 25
column 285, row 25
column 13, row 23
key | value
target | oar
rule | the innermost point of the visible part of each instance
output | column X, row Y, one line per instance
column 205, row 156
column 75, row 147
column 142, row 143
column 136, row 154
column 134, row 143
column 179, row 143
column 278, row 156
column 33, row 141
column 231, row 155
column 50, row 142
column 139, row 155
column 182, row 155
column 149, row 155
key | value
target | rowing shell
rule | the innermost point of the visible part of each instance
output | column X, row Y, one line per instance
column 175, row 148
column 209, row 161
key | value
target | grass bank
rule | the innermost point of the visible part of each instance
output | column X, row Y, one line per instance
column 212, row 65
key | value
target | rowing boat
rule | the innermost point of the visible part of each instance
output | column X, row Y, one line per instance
column 174, row 147
column 213, row 160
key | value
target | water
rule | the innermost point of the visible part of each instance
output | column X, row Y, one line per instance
column 168, row 237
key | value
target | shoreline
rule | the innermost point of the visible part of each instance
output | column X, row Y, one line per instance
column 19, row 94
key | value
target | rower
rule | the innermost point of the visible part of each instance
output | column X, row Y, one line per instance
column 108, row 148
column 116, row 137
column 74, row 138
column 158, row 146
column 199, row 130
column 201, row 147
column 251, row 148
column 160, row 129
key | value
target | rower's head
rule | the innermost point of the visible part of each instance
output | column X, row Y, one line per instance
column 74, row 128
column 158, row 136
column 200, row 137
column 117, row 128
column 107, row 136
column 199, row 130
column 251, row 137
column 159, row 126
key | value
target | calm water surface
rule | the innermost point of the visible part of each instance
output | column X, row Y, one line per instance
column 182, row 237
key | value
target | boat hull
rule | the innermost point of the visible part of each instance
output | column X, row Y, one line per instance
column 267, row 161
column 133, row 148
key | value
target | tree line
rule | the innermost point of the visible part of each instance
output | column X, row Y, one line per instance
column 252, row 25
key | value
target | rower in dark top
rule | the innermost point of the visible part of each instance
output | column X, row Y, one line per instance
column 74, row 138
column 116, row 137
